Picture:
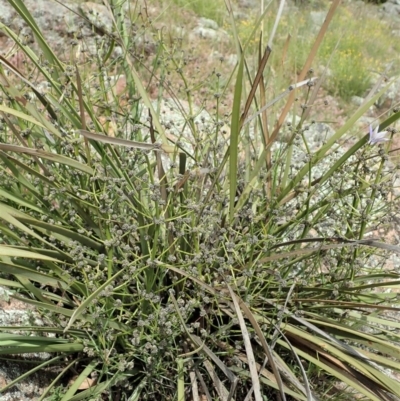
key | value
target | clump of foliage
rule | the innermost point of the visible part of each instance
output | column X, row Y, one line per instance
column 212, row 9
column 358, row 55
column 353, row 52
column 172, row 259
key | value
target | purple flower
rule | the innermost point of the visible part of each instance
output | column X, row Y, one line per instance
column 377, row 137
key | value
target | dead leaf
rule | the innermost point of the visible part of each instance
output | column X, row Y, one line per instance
column 87, row 383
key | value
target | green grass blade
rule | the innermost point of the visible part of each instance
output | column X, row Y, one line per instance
column 83, row 306
column 79, row 380
column 234, row 139
column 6, row 250
column 56, row 158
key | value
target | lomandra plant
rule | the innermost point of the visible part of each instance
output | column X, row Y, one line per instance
column 213, row 263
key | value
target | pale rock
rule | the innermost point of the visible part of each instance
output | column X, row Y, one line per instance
column 98, row 15
column 208, row 23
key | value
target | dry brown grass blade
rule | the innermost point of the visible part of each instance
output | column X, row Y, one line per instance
column 249, row 349
column 335, row 4
column 203, row 385
column 381, row 245
column 322, row 353
column 263, row 371
column 228, row 373
column 195, row 388
column 249, row 395
column 350, row 305
column 317, row 86
column 343, row 346
column 344, row 241
column 279, row 97
column 126, row 142
column 291, row 377
column 255, row 85
column 219, row 387
column 311, row 240
column 271, row 377
column 182, row 182
column 305, row 69
column 340, row 367
column 264, row 124
column 305, row 251
column 322, row 78
column 279, row 321
column 264, row 117
column 262, row 339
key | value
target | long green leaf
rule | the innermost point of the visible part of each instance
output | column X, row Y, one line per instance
column 83, row 306
column 20, row 200
column 125, row 142
column 70, row 347
column 54, row 157
column 43, row 279
column 21, row 115
column 234, row 139
column 17, row 217
column 6, row 250
column 79, row 380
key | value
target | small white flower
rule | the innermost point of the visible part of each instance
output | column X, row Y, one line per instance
column 377, row 137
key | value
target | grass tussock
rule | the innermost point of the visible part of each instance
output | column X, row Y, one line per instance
column 216, row 248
